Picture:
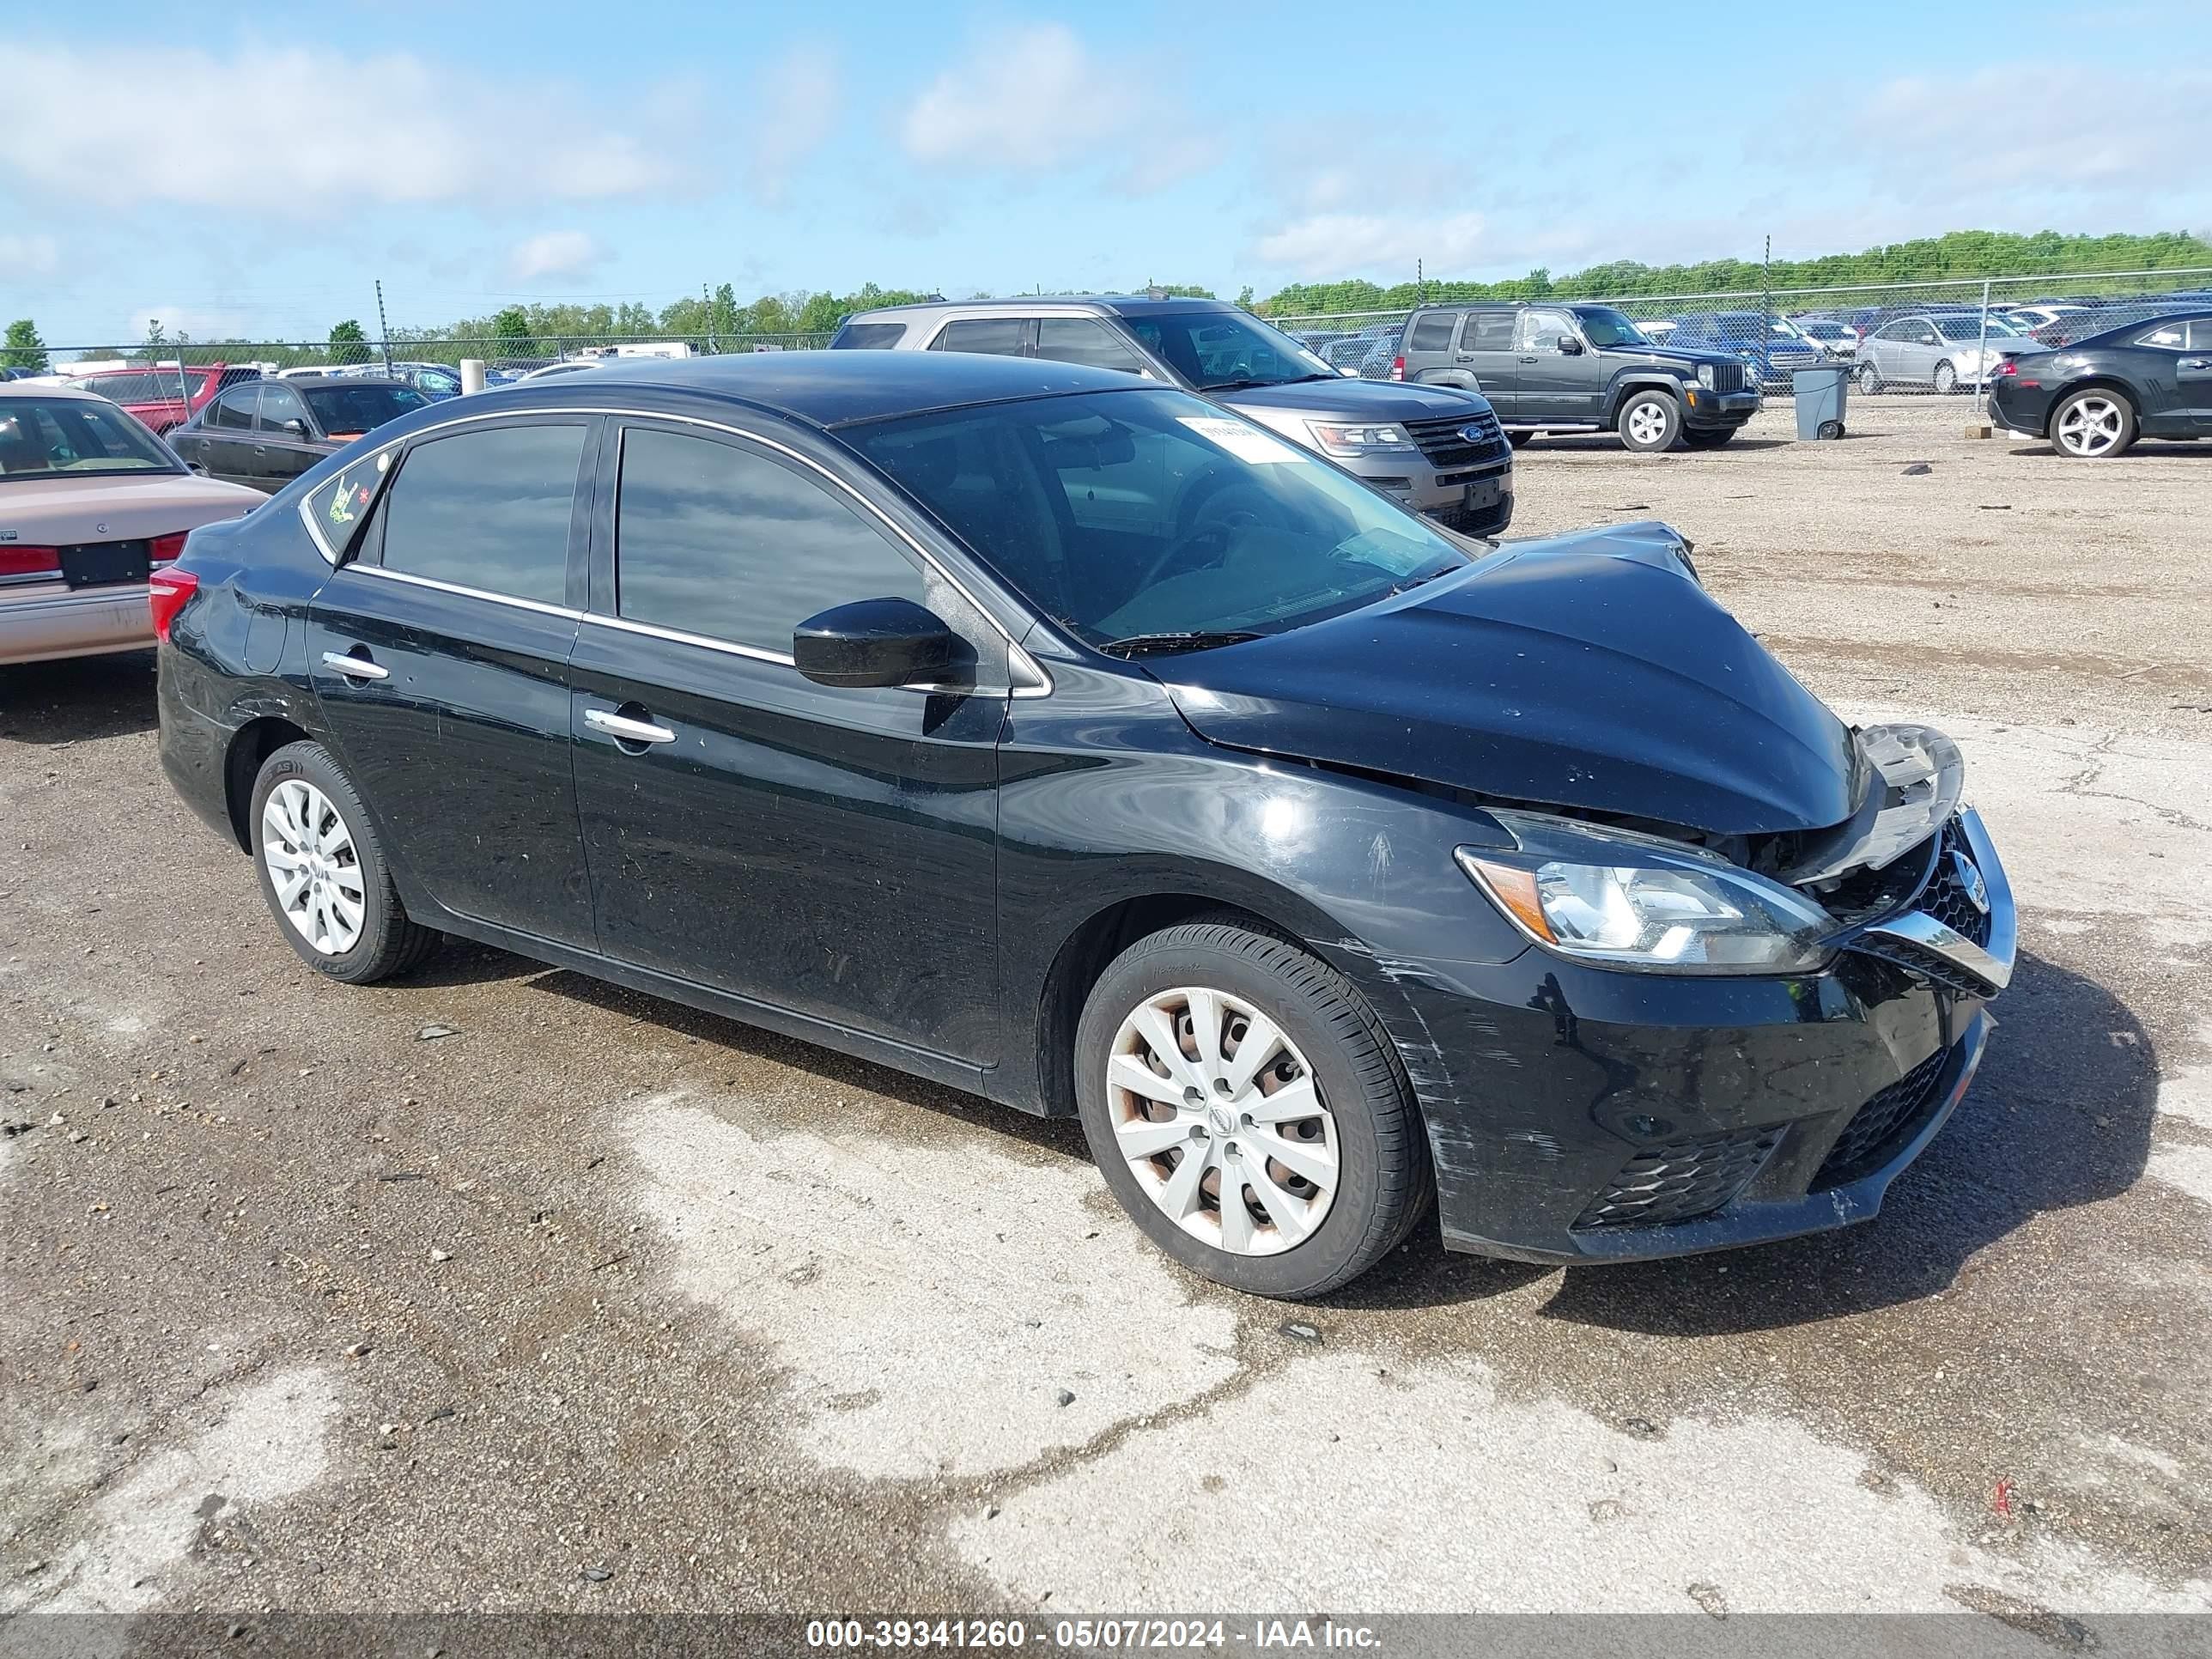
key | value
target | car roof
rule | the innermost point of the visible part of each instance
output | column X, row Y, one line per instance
column 50, row 389
column 1126, row 305
column 343, row 380
column 830, row 388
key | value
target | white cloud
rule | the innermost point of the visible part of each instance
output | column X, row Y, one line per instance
column 799, row 96
column 200, row 322
column 1035, row 99
column 1325, row 244
column 348, row 134
column 29, row 256
column 554, row 254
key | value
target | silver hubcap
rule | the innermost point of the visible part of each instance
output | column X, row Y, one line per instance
column 2090, row 426
column 1647, row 423
column 1219, row 1117
column 309, row 855
column 1945, row 377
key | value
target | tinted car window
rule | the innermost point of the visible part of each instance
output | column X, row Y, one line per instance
column 1000, row 336
column 1081, row 340
column 347, row 411
column 716, row 540
column 69, row 435
column 232, row 410
column 1491, row 330
column 1542, row 330
column 488, row 510
column 279, row 404
column 1433, row 333
column 869, row 336
column 2173, row 336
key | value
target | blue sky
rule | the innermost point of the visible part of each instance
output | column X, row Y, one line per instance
column 254, row 178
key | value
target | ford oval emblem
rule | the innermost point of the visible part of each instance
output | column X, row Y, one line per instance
column 1476, row 434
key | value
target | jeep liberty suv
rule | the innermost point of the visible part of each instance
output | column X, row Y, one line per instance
column 1571, row 367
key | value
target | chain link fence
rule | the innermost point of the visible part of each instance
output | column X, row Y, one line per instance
column 1924, row 338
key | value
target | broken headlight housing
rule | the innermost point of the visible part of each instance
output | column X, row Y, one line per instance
column 1618, row 899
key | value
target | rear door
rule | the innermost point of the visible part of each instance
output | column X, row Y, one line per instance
column 222, row 441
column 828, row 851
column 997, row 336
column 1486, row 351
column 439, row 654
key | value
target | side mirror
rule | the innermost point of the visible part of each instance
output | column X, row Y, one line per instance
column 875, row 642
column 1569, row 346
column 297, row 427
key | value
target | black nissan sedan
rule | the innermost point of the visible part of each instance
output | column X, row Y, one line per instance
column 1078, row 743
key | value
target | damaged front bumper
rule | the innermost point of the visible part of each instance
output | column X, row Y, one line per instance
column 1578, row 1115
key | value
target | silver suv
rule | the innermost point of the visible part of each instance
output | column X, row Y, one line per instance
column 1438, row 449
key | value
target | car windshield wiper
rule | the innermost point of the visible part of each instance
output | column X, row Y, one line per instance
column 1144, row 645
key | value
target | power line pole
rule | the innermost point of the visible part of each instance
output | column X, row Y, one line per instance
column 383, row 328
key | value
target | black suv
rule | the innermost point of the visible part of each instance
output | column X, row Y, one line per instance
column 1578, row 368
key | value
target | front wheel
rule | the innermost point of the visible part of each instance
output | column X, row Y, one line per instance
column 1519, row 439
column 1650, row 421
column 323, row 871
column 2093, row 424
column 1708, row 437
column 1868, row 381
column 1248, row 1110
column 1947, row 379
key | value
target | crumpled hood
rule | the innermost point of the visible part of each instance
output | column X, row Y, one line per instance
column 1586, row 670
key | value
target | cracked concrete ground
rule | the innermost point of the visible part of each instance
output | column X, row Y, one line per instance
column 601, row 1305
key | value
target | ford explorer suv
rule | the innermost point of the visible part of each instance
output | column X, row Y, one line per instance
column 1579, row 369
column 1437, row 448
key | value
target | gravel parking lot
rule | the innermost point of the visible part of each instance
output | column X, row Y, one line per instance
column 500, row 1288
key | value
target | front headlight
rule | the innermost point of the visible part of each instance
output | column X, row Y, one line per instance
column 1362, row 438
column 1706, row 376
column 1621, row 900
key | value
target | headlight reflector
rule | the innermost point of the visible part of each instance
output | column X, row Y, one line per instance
column 1622, row 900
column 1706, row 376
column 1363, row 438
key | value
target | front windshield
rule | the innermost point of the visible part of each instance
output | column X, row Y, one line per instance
column 1142, row 513
column 42, row 436
column 1604, row 327
column 1214, row 351
column 1970, row 328
column 347, row 411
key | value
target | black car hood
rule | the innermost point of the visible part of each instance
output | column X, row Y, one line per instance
column 1587, row 671
column 1357, row 400
column 1682, row 356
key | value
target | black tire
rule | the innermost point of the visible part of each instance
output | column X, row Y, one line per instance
column 1384, row 1183
column 1661, row 434
column 1519, row 439
column 2123, row 405
column 1831, row 430
column 1946, row 379
column 389, row 942
column 1709, row 437
column 1869, row 381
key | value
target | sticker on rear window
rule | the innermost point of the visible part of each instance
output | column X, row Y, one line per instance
column 1246, row 443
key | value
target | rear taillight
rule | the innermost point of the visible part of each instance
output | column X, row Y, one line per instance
column 2008, row 366
column 30, row 561
column 1397, row 369
column 168, row 592
column 166, row 547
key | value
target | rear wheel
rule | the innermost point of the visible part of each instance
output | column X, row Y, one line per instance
column 2093, row 424
column 1708, row 437
column 1650, row 421
column 1248, row 1110
column 323, row 871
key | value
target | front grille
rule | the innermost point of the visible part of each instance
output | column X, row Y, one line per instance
column 1473, row 521
column 1682, row 1179
column 1727, row 377
column 1872, row 1136
column 1445, row 442
column 1939, row 970
column 1945, row 896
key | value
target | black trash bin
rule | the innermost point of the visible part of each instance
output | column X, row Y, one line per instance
column 1820, row 392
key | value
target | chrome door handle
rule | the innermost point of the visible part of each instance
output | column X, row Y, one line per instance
column 355, row 668
column 628, row 730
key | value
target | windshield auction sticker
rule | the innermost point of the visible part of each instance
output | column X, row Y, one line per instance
column 1246, row 443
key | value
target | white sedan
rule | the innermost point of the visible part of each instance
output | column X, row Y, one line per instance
column 90, row 503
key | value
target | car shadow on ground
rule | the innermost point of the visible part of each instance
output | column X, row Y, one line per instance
column 2060, row 1116
column 1602, row 441
column 2143, row 449
column 78, row 699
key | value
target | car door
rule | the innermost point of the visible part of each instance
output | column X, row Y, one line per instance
column 1885, row 348
column 1429, row 353
column 997, row 335
column 439, row 655
column 2193, row 376
column 1485, row 349
column 284, row 437
column 1919, row 348
column 1554, row 381
column 221, row 441
column 828, row 852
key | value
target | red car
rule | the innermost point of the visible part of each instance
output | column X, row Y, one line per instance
column 158, row 397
